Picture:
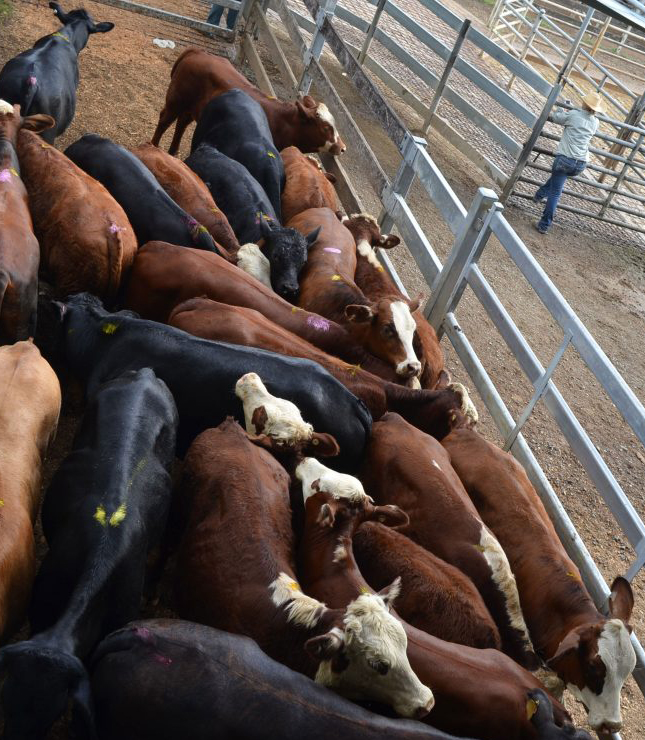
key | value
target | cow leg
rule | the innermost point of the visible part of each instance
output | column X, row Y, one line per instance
column 165, row 120
column 183, row 121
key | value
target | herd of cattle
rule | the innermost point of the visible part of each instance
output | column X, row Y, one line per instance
column 225, row 311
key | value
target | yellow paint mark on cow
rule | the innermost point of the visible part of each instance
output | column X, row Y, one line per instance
column 100, row 516
column 44, row 146
column 215, row 210
column 271, row 97
column 60, row 36
column 294, row 586
column 353, row 369
column 13, row 171
column 364, row 590
column 575, row 576
column 271, row 154
column 140, row 466
column 380, row 268
column 531, row 708
column 481, row 548
column 336, row 278
column 1, row 503
column 118, row 516
column 109, row 328
column 295, row 309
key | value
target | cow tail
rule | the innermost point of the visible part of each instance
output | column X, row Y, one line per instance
column 29, row 90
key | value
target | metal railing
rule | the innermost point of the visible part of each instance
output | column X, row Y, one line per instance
column 471, row 229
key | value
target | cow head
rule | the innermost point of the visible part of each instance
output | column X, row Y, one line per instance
column 367, row 234
column 362, row 651
column 39, row 683
column 11, row 121
column 540, row 711
column 313, row 162
column 318, row 128
column 287, row 251
column 386, row 328
column 276, row 423
column 594, row 660
column 80, row 24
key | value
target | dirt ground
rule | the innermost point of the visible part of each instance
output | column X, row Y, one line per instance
column 123, row 82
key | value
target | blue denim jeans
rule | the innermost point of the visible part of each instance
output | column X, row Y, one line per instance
column 563, row 167
column 216, row 13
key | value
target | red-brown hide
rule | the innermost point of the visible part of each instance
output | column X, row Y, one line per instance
column 198, row 76
column 188, row 190
column 306, row 185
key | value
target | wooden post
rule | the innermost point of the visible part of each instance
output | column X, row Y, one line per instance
column 598, row 41
column 463, row 31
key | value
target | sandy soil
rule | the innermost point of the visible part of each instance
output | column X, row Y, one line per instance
column 123, row 83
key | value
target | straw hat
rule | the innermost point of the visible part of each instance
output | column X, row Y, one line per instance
column 594, row 101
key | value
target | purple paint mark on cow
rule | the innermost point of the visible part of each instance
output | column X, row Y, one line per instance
column 317, row 322
column 5, row 175
column 32, row 80
column 143, row 632
column 335, row 250
column 115, row 228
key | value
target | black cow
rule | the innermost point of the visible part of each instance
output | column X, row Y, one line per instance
column 165, row 679
column 106, row 506
column 237, row 126
column 151, row 211
column 545, row 724
column 44, row 79
column 202, row 374
column 252, row 217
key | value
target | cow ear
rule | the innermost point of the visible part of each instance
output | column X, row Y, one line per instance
column 322, row 445
column 309, row 102
column 262, row 440
column 390, row 593
column 388, row 241
column 621, row 601
column 327, row 515
column 390, row 516
column 330, row 177
column 103, row 27
column 37, row 122
column 305, row 113
column 312, row 236
column 59, row 13
column 414, row 305
column 60, row 309
column 265, row 227
column 359, row 314
column 325, row 647
column 566, row 650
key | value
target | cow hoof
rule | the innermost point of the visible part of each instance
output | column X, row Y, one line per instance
column 467, row 406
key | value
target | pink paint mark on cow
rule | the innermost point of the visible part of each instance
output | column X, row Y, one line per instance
column 335, row 250
column 317, row 322
column 162, row 659
column 32, row 80
column 143, row 632
column 5, row 175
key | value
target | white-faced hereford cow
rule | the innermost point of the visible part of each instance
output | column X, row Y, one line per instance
column 384, row 327
column 591, row 653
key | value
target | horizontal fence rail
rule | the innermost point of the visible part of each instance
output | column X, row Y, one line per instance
column 471, row 229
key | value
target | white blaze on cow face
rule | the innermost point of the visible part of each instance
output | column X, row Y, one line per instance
column 251, row 259
column 616, row 652
column 283, row 421
column 405, row 327
column 322, row 111
column 374, row 645
column 5, row 107
column 364, row 248
column 505, row 582
column 316, row 477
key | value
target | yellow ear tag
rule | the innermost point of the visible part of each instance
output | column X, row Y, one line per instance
column 271, row 154
column 336, row 278
column 531, row 708
column 44, row 146
column 109, row 328
column 100, row 516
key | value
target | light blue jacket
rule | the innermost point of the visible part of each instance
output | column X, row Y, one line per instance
column 579, row 127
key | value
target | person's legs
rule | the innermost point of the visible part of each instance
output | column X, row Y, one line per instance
column 542, row 192
column 230, row 18
column 215, row 15
column 556, row 181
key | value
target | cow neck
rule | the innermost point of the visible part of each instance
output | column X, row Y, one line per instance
column 8, row 154
column 556, row 624
column 76, row 34
column 335, row 580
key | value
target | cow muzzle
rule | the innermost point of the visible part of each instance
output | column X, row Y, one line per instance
column 607, row 727
column 290, row 293
column 408, row 369
column 421, row 712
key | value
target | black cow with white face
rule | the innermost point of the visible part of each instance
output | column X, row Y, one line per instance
column 154, row 215
column 105, row 508
column 252, row 217
column 237, row 126
column 201, row 374
column 44, row 79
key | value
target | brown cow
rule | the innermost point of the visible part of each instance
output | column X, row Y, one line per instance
column 28, row 418
column 86, row 240
column 384, row 327
column 375, row 283
column 236, row 563
column 435, row 596
column 188, row 190
column 436, row 412
column 478, row 692
column 19, row 251
column 198, row 76
column 590, row 653
column 406, row 467
column 307, row 185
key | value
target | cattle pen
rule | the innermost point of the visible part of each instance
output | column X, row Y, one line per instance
column 474, row 228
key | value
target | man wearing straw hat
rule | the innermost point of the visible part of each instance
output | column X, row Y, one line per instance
column 572, row 153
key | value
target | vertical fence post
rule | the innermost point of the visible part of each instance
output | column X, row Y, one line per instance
column 465, row 245
column 598, row 41
column 530, row 143
column 497, row 9
column 461, row 37
column 572, row 55
column 371, row 31
column 528, row 42
column 621, row 175
column 326, row 9
column 403, row 179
